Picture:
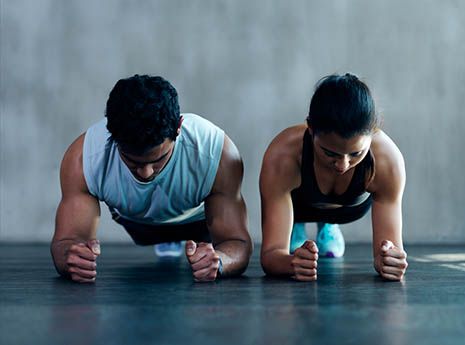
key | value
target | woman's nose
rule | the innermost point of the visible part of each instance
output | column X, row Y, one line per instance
column 342, row 163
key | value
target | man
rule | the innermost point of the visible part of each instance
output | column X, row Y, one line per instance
column 165, row 176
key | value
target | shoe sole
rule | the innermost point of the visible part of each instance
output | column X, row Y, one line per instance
column 168, row 253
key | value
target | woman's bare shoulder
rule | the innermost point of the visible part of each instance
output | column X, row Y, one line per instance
column 287, row 144
column 389, row 161
column 282, row 159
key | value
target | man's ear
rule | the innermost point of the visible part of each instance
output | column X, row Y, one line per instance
column 178, row 131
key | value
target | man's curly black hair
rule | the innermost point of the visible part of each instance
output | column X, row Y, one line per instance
column 142, row 112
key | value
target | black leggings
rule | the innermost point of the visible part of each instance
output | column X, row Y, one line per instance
column 144, row 234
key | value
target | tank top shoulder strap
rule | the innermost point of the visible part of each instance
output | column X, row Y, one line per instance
column 364, row 172
column 307, row 171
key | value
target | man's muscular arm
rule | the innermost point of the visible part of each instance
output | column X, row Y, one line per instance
column 74, row 247
column 226, row 215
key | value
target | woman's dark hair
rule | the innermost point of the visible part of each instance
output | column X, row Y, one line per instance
column 342, row 104
column 142, row 112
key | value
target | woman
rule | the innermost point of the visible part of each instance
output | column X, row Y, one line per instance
column 332, row 170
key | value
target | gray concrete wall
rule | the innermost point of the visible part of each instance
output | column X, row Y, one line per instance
column 248, row 66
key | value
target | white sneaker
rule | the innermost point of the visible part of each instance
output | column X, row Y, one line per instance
column 298, row 237
column 330, row 241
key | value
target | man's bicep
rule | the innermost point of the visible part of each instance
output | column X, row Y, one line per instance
column 225, row 208
column 226, row 217
column 78, row 212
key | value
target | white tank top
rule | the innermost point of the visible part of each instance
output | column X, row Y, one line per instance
column 176, row 195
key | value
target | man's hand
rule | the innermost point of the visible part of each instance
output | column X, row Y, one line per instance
column 80, row 259
column 391, row 263
column 304, row 262
column 204, row 261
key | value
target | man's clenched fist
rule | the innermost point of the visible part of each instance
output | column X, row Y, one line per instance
column 80, row 259
column 204, row 261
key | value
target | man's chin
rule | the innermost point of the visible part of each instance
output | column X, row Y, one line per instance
column 145, row 180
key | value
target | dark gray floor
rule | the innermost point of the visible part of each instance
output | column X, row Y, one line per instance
column 141, row 300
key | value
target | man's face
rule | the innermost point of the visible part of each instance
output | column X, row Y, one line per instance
column 147, row 166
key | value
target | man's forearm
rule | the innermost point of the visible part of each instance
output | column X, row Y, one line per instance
column 234, row 255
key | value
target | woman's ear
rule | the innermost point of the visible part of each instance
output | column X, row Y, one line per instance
column 310, row 130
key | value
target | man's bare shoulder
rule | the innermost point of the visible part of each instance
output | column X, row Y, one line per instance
column 230, row 169
column 71, row 172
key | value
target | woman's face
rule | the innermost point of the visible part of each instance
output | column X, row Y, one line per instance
column 339, row 154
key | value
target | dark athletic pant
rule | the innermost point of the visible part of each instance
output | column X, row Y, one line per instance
column 144, row 234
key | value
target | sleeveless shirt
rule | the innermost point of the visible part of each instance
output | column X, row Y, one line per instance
column 176, row 195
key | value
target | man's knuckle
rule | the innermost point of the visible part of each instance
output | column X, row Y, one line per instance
column 71, row 260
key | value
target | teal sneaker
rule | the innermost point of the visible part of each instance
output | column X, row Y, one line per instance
column 172, row 249
column 298, row 236
column 330, row 241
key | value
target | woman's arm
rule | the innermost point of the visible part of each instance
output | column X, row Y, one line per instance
column 388, row 188
column 280, row 174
